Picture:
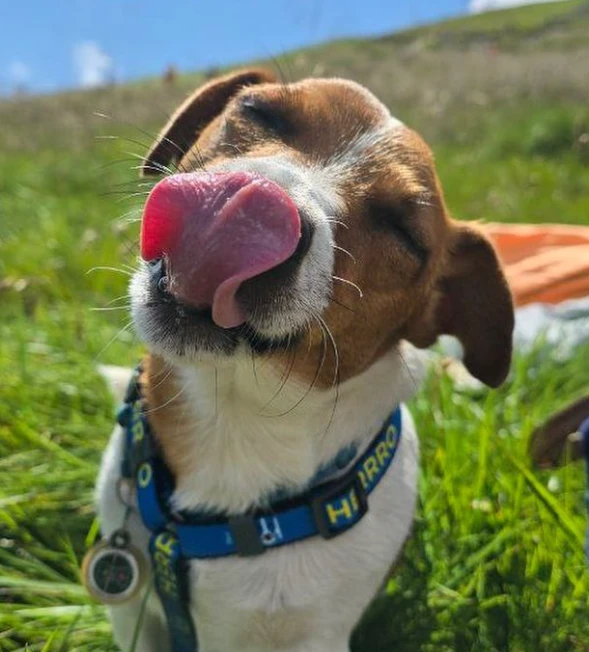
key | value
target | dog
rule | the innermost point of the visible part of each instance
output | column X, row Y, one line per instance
column 296, row 255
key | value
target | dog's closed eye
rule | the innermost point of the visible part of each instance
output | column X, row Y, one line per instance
column 398, row 218
column 263, row 115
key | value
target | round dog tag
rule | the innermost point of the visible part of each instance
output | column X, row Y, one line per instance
column 113, row 570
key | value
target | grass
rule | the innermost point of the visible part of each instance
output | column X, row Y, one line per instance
column 496, row 560
column 544, row 24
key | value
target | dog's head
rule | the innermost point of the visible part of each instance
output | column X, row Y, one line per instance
column 304, row 218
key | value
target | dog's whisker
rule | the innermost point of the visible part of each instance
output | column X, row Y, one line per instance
column 131, row 216
column 332, row 220
column 123, row 297
column 111, row 309
column 350, row 283
column 124, row 139
column 130, row 268
column 134, row 183
column 162, row 380
column 170, row 400
column 125, row 328
column 125, row 193
column 335, row 383
column 238, row 150
column 284, row 379
column 313, row 380
column 333, row 343
column 196, row 155
column 164, row 138
column 152, row 167
column 129, row 247
column 339, row 303
column 254, row 370
column 216, row 392
column 125, row 196
column 414, row 380
column 118, row 161
column 160, row 167
column 284, row 81
column 124, row 301
column 345, row 251
column 106, row 268
column 309, row 332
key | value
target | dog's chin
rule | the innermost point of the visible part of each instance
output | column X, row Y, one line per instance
column 184, row 334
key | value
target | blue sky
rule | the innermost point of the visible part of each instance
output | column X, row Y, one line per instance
column 47, row 45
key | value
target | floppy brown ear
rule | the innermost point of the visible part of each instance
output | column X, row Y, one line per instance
column 194, row 114
column 474, row 305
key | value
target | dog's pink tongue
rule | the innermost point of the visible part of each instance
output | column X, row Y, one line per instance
column 215, row 232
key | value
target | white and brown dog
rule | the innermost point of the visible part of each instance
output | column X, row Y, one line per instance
column 298, row 253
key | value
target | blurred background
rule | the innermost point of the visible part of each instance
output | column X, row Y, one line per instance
column 500, row 91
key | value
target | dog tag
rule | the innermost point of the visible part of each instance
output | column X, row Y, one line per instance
column 113, row 570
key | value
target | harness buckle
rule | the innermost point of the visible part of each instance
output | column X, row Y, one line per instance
column 339, row 506
column 246, row 536
column 133, row 391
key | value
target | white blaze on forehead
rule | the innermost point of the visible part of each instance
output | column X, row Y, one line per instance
column 362, row 146
column 365, row 142
column 395, row 123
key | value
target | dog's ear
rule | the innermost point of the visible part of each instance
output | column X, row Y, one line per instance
column 193, row 115
column 474, row 304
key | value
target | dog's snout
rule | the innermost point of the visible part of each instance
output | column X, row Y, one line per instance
column 258, row 294
column 304, row 244
column 216, row 231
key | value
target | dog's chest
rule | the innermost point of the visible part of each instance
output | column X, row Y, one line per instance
column 239, row 439
column 266, row 602
column 314, row 588
column 318, row 587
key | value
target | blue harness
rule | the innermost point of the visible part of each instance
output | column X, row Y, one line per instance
column 327, row 508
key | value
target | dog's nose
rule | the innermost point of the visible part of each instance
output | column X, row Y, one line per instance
column 216, row 231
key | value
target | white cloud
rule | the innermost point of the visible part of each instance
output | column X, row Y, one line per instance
column 93, row 65
column 476, row 6
column 19, row 72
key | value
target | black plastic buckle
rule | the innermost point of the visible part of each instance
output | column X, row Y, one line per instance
column 246, row 536
column 332, row 491
column 133, row 391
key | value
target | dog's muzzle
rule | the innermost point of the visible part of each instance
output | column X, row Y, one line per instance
column 216, row 231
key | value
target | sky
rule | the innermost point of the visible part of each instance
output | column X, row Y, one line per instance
column 51, row 45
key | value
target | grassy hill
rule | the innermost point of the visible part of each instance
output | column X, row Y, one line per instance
column 496, row 561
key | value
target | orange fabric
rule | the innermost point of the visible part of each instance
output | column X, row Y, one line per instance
column 548, row 263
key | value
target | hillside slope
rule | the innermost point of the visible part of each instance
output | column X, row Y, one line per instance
column 433, row 77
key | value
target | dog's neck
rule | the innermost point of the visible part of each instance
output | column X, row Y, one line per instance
column 233, row 433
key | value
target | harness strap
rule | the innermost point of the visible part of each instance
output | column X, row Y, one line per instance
column 171, row 583
column 327, row 510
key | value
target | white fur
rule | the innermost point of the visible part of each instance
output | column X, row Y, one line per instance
column 369, row 144
column 304, row 597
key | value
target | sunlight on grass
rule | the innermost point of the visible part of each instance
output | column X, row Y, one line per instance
column 496, row 559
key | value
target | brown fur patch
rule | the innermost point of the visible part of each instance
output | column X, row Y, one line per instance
column 166, row 412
